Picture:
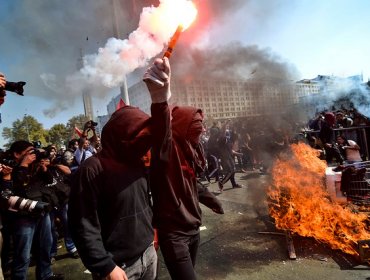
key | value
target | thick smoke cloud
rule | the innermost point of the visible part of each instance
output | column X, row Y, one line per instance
column 48, row 38
column 233, row 61
column 45, row 40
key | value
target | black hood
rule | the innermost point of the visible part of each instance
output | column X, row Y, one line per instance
column 120, row 138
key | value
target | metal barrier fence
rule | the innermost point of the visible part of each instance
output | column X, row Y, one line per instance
column 359, row 134
column 358, row 191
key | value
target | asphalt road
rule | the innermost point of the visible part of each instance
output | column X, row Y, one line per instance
column 244, row 244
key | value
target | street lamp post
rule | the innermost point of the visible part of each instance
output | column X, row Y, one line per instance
column 27, row 128
column 116, row 33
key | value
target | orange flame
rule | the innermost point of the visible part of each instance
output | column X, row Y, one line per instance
column 180, row 13
column 169, row 15
column 300, row 203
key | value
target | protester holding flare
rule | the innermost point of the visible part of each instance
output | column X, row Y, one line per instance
column 177, row 158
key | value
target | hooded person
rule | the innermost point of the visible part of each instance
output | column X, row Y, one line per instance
column 176, row 159
column 326, row 136
column 110, row 213
column 31, row 229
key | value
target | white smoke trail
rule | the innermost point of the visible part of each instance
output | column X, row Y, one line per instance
column 120, row 57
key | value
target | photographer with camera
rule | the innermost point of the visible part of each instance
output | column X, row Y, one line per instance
column 61, row 187
column 16, row 87
column 31, row 229
column 86, row 145
column 5, row 181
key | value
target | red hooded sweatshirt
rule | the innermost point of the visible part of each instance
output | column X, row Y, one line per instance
column 176, row 159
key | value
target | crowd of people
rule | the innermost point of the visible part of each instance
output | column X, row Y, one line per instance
column 35, row 190
column 99, row 193
column 242, row 146
column 110, row 202
column 338, row 135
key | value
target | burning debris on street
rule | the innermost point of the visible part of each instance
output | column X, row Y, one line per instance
column 299, row 203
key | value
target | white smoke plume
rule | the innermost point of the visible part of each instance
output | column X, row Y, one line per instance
column 107, row 68
column 120, row 57
column 43, row 41
column 349, row 92
column 47, row 38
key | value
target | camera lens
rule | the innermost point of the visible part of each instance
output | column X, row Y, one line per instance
column 16, row 87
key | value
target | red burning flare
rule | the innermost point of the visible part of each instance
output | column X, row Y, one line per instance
column 184, row 17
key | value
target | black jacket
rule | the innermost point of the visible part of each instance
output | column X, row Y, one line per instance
column 28, row 184
column 109, row 211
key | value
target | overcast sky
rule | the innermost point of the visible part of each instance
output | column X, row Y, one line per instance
column 41, row 42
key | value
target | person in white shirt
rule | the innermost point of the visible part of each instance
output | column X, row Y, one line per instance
column 85, row 149
column 350, row 148
column 83, row 152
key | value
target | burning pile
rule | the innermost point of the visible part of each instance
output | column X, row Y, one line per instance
column 299, row 202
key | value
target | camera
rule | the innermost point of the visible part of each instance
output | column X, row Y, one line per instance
column 16, row 87
column 40, row 154
column 16, row 203
column 91, row 124
column 7, row 159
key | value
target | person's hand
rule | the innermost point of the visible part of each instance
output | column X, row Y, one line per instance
column 6, row 171
column 28, row 159
column 2, row 90
column 2, row 81
column 157, row 79
column 116, row 274
column 44, row 163
column 87, row 125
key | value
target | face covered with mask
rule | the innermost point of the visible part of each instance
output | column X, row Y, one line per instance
column 126, row 137
column 195, row 130
column 187, row 126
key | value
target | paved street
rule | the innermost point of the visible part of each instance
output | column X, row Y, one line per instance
column 243, row 244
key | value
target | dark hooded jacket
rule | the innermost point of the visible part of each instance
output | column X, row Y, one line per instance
column 175, row 163
column 109, row 210
column 326, row 133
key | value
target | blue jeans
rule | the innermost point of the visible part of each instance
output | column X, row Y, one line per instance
column 25, row 230
column 145, row 268
column 61, row 213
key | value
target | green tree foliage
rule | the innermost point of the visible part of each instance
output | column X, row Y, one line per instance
column 31, row 130
column 58, row 134
column 28, row 129
column 77, row 121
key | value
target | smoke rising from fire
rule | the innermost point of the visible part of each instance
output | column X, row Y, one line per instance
column 233, row 61
column 338, row 91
